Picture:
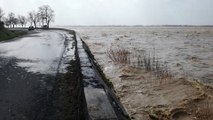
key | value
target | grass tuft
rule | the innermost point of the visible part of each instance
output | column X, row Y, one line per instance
column 120, row 56
column 142, row 60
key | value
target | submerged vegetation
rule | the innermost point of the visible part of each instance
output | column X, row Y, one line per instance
column 198, row 106
column 118, row 55
column 205, row 111
column 142, row 60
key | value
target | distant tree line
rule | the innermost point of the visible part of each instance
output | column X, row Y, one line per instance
column 1, row 16
column 43, row 16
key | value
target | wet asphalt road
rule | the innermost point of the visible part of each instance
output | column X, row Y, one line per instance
column 28, row 68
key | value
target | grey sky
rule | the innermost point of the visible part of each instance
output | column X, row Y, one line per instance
column 120, row 12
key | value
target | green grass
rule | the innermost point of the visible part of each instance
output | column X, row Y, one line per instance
column 6, row 34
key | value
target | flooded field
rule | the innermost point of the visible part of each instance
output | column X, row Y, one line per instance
column 182, row 56
column 187, row 51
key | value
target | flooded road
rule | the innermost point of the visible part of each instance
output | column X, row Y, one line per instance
column 28, row 68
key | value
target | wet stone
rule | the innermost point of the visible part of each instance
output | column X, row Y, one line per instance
column 79, row 44
column 80, row 50
column 92, row 82
column 82, row 54
column 85, row 62
column 87, row 72
column 69, row 38
column 98, row 104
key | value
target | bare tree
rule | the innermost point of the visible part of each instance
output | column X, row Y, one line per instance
column 46, row 14
column 22, row 20
column 11, row 19
column 1, row 14
column 15, row 22
column 7, row 22
column 33, row 18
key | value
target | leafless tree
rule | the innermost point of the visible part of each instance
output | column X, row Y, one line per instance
column 46, row 14
column 15, row 22
column 22, row 20
column 33, row 18
column 7, row 22
column 12, row 20
column 1, row 14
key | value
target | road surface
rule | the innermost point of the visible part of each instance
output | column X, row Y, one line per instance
column 44, row 77
column 28, row 68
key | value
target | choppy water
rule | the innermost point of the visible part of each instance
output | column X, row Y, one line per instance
column 188, row 51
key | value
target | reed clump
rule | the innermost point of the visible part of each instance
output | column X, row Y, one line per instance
column 117, row 55
column 141, row 60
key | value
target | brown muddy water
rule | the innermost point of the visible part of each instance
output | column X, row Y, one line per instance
column 187, row 51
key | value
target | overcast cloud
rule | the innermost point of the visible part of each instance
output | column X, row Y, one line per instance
column 120, row 12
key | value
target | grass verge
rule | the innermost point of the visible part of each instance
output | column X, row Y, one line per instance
column 6, row 34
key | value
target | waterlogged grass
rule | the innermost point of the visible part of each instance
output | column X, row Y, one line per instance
column 205, row 111
column 118, row 55
column 6, row 34
column 145, row 61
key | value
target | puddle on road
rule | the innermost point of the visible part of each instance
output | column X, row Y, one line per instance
column 68, row 55
column 37, row 54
